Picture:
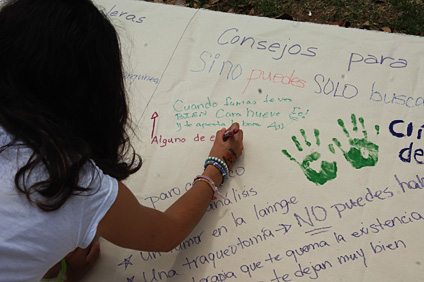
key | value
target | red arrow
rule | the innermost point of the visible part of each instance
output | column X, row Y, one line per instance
column 154, row 116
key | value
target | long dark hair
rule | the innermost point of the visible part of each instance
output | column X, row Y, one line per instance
column 62, row 94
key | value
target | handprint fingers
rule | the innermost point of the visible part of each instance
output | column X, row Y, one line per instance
column 328, row 170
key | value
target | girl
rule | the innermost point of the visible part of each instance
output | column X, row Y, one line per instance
column 63, row 136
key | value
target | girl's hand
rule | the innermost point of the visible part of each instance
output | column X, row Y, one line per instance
column 230, row 150
column 80, row 261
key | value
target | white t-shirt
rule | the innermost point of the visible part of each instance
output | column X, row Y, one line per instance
column 32, row 240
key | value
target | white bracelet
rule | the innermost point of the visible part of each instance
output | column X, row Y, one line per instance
column 210, row 182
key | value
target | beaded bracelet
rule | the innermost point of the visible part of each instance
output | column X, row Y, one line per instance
column 219, row 167
column 211, row 184
column 222, row 163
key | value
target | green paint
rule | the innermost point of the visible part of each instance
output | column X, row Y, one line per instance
column 364, row 131
column 362, row 152
column 337, row 142
column 355, row 124
column 361, row 120
column 304, row 137
column 377, row 128
column 297, row 143
column 341, row 123
column 316, row 133
column 288, row 155
column 328, row 170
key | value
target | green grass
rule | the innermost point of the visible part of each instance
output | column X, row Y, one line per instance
column 410, row 18
column 402, row 16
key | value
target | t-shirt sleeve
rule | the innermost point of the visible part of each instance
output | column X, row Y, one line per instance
column 96, row 203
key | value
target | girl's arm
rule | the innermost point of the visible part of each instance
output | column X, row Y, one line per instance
column 131, row 225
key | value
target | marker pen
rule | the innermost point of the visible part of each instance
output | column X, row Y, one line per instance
column 230, row 133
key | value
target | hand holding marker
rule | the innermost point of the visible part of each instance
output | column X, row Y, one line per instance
column 230, row 133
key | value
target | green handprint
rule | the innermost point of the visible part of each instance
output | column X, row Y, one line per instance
column 328, row 169
column 362, row 152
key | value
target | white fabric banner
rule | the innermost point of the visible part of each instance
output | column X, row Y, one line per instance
column 330, row 186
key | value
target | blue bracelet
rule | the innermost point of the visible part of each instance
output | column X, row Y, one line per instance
column 219, row 167
column 222, row 163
